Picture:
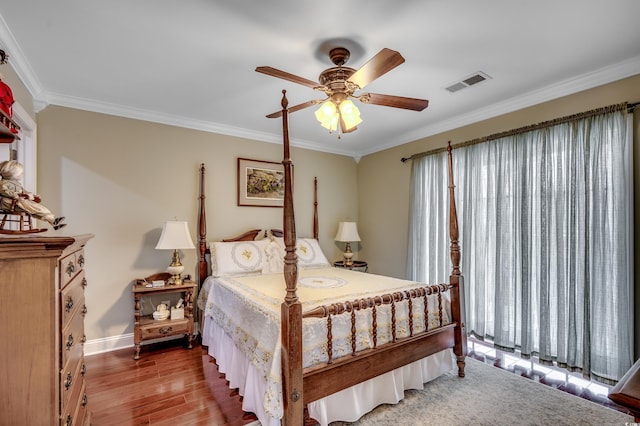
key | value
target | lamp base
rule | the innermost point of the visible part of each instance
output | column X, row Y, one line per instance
column 348, row 255
column 175, row 271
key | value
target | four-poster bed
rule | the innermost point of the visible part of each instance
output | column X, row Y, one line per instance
column 338, row 337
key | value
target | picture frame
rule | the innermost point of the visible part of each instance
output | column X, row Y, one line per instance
column 260, row 183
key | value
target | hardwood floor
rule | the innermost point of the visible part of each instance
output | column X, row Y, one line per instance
column 169, row 385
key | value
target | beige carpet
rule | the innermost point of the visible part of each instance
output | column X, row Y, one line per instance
column 490, row 396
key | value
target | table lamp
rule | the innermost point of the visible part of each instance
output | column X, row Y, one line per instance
column 175, row 236
column 347, row 232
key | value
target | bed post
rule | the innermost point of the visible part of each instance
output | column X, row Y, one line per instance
column 202, row 232
column 315, row 208
column 291, row 330
column 457, row 309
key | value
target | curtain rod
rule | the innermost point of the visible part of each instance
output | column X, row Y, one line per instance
column 604, row 110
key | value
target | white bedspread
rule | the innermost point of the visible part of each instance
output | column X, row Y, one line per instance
column 242, row 330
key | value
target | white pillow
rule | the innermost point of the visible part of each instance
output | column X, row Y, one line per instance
column 238, row 257
column 310, row 254
column 308, row 250
column 274, row 257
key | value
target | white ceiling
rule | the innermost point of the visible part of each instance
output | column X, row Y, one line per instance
column 192, row 63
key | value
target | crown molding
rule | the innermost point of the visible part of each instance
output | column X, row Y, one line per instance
column 20, row 65
column 570, row 86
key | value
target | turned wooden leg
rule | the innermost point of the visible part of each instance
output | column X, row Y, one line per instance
column 189, row 341
column 461, row 363
column 137, row 351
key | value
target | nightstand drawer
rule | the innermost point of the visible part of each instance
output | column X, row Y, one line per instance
column 164, row 328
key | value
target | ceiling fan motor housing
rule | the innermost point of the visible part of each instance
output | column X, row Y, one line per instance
column 334, row 78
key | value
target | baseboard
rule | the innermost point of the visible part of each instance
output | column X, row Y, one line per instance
column 114, row 343
column 108, row 344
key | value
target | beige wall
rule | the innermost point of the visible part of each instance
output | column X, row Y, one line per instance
column 120, row 179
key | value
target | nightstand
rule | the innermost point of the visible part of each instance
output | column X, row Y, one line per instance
column 146, row 328
column 358, row 265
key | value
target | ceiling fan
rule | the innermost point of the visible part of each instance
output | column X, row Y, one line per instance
column 340, row 83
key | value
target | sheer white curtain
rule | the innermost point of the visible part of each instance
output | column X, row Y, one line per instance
column 546, row 235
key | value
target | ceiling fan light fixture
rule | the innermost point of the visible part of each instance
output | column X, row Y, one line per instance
column 350, row 114
column 327, row 115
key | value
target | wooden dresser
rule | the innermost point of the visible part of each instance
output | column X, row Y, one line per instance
column 42, row 330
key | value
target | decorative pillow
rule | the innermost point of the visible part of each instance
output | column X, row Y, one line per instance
column 274, row 258
column 240, row 257
column 310, row 254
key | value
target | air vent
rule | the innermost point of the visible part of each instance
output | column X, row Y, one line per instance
column 475, row 78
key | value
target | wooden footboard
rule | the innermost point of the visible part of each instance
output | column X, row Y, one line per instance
column 337, row 374
column 370, row 305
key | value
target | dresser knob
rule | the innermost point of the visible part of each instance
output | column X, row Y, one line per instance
column 71, row 268
column 81, row 260
column 84, row 310
column 85, row 400
column 84, row 283
column 68, row 382
column 70, row 342
column 69, row 421
column 69, row 304
column 165, row 330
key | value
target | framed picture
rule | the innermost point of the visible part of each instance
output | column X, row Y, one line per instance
column 260, row 183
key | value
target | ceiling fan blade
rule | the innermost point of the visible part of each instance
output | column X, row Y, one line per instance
column 296, row 108
column 394, row 101
column 382, row 63
column 287, row 76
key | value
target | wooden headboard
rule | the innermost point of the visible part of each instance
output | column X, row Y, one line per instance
column 203, row 249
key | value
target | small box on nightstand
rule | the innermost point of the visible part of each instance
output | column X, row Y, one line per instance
column 177, row 313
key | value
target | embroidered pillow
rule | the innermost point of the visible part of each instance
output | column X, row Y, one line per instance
column 235, row 258
column 310, row 254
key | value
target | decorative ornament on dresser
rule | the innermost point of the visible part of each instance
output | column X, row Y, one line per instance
column 9, row 134
column 18, row 206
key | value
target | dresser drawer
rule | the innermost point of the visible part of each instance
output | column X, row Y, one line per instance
column 73, row 337
column 73, row 298
column 76, row 412
column 70, row 266
column 157, row 329
column 71, row 379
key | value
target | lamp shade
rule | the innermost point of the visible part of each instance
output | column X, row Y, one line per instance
column 175, row 235
column 350, row 115
column 347, row 231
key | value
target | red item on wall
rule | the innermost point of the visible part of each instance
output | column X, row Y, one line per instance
column 6, row 100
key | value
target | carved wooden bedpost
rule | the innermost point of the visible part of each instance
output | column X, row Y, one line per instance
column 315, row 208
column 291, row 308
column 202, row 232
column 460, row 345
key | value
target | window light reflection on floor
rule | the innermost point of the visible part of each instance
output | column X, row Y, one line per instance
column 550, row 373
